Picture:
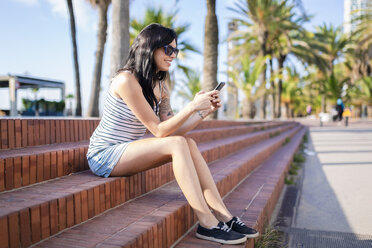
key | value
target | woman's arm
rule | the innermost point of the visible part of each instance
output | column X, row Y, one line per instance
column 166, row 112
column 128, row 88
column 198, row 117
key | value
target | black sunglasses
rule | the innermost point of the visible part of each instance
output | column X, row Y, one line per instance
column 168, row 50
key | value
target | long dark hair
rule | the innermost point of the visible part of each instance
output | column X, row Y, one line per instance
column 141, row 61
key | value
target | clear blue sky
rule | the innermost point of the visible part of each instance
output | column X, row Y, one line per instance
column 36, row 38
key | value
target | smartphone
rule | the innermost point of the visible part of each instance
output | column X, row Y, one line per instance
column 220, row 86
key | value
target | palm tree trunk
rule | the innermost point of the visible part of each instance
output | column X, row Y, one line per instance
column 76, row 60
column 210, row 49
column 249, row 109
column 280, row 85
column 263, row 106
column 120, row 35
column 273, row 93
column 245, row 109
column 93, row 109
column 264, row 52
column 264, row 97
column 287, row 110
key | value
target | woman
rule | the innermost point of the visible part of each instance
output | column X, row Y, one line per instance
column 137, row 100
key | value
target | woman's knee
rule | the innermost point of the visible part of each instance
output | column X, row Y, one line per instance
column 192, row 144
column 178, row 143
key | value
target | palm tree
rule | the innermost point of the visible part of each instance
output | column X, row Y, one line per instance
column 330, row 44
column 294, row 99
column 76, row 60
column 245, row 75
column 210, row 53
column 256, row 16
column 262, row 19
column 102, row 6
column 360, row 56
column 120, row 35
column 191, row 86
column 287, row 34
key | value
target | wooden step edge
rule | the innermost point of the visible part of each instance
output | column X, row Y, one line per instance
column 220, row 185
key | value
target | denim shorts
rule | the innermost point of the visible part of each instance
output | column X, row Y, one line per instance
column 102, row 161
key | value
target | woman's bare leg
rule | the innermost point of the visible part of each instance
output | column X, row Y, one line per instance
column 210, row 191
column 145, row 154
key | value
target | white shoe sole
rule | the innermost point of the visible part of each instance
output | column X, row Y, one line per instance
column 250, row 236
column 228, row 242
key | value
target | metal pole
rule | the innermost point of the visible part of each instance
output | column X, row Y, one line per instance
column 13, row 96
column 63, row 98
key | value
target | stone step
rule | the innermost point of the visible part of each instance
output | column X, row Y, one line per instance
column 159, row 218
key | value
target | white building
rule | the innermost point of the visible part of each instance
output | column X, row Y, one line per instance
column 350, row 6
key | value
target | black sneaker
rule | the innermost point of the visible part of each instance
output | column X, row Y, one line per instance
column 221, row 234
column 238, row 226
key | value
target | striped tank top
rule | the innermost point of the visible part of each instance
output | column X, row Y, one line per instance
column 118, row 125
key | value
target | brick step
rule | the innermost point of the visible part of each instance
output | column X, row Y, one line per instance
column 255, row 198
column 160, row 217
column 49, row 207
column 27, row 166
column 30, row 165
column 224, row 123
column 29, row 132
column 223, row 132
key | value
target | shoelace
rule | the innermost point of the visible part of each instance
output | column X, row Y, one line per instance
column 224, row 228
column 239, row 222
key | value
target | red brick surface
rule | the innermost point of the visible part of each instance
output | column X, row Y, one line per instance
column 28, row 132
column 67, row 201
column 73, row 157
column 167, row 205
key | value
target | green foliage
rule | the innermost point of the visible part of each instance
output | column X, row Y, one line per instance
column 286, row 141
column 246, row 74
column 191, row 86
column 43, row 107
column 271, row 237
column 289, row 180
column 337, row 64
column 298, row 158
column 293, row 169
column 27, row 104
column 305, row 138
column 274, row 134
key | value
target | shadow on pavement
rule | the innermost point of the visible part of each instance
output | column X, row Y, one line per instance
column 311, row 214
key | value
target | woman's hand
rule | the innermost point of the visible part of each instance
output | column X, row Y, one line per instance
column 216, row 103
column 204, row 100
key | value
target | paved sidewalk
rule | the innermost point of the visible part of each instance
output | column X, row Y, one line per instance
column 332, row 204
